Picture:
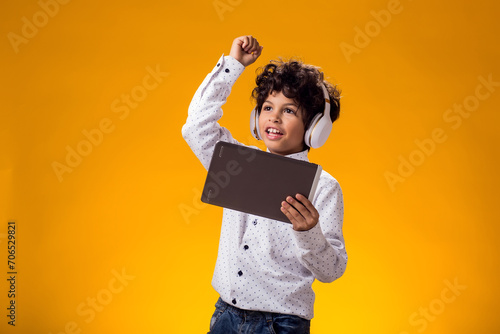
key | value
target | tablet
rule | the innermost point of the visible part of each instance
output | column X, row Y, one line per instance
column 256, row 182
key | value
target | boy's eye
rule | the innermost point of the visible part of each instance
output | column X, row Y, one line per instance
column 266, row 108
column 289, row 111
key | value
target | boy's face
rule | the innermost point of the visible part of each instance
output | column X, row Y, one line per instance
column 281, row 125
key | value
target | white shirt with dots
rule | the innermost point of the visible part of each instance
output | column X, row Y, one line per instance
column 262, row 264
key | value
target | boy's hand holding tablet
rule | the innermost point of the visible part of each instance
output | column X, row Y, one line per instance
column 301, row 212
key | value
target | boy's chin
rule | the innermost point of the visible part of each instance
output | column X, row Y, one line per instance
column 273, row 147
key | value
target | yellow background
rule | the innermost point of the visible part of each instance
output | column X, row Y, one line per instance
column 120, row 208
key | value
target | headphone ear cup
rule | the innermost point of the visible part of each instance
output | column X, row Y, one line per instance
column 254, row 124
column 321, row 132
column 321, row 125
column 309, row 131
column 318, row 132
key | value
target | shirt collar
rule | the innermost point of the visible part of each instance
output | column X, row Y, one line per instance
column 298, row 156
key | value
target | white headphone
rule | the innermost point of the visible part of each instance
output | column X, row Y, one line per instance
column 316, row 134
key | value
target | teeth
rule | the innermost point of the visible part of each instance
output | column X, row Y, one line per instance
column 271, row 130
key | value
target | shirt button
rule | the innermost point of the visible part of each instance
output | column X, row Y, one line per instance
column 246, row 247
column 233, row 301
column 240, row 273
column 226, row 70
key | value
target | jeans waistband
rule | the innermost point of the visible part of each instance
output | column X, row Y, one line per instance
column 244, row 313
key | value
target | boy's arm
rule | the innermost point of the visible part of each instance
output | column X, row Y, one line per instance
column 321, row 248
column 201, row 130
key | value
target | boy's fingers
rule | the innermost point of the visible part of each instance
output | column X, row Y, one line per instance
column 287, row 214
column 256, row 49
column 245, row 49
column 292, row 209
column 240, row 41
column 247, row 43
column 297, row 205
column 259, row 51
column 251, row 44
column 307, row 203
column 298, row 224
column 293, row 215
column 301, row 212
column 250, row 41
column 254, row 45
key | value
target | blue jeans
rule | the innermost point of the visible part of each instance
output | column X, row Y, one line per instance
column 228, row 319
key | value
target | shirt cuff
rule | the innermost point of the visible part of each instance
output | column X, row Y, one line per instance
column 310, row 239
column 228, row 67
column 234, row 63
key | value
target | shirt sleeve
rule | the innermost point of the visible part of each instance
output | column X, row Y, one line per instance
column 201, row 130
column 321, row 249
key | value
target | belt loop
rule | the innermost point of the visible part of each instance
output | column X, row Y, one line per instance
column 226, row 305
column 269, row 317
column 222, row 305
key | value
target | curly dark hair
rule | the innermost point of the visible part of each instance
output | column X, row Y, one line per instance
column 300, row 82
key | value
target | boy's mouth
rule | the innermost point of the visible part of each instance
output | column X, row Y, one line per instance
column 273, row 133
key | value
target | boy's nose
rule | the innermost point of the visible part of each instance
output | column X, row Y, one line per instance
column 274, row 117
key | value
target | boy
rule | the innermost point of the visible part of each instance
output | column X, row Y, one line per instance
column 265, row 269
